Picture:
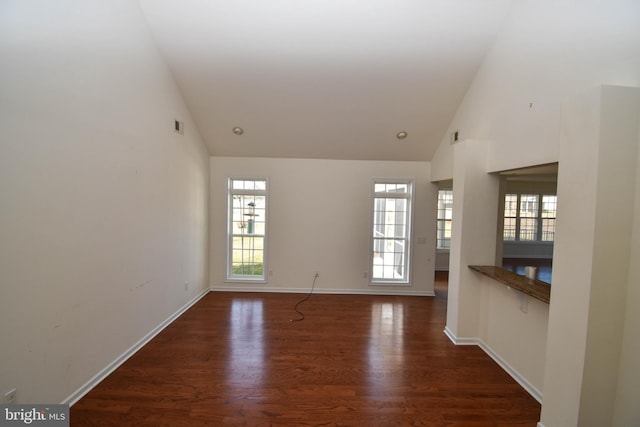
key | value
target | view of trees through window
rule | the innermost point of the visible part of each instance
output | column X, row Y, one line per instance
column 247, row 228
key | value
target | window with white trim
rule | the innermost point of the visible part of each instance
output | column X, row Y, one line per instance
column 445, row 215
column 391, row 244
column 529, row 217
column 247, row 229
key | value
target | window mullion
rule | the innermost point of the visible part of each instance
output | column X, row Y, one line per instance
column 539, row 219
column 517, row 217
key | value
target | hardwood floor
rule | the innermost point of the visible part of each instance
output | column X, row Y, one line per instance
column 237, row 359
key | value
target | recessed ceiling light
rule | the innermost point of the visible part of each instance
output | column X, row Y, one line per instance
column 238, row 130
column 402, row 135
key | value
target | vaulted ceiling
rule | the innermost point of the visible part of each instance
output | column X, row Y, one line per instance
column 334, row 79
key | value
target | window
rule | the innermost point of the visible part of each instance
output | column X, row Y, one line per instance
column 392, row 204
column 247, row 229
column 548, row 215
column 528, row 217
column 524, row 220
column 445, row 214
column 510, row 216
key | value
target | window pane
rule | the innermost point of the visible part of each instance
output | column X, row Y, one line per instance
column 391, row 188
column 401, row 188
column 549, row 206
column 246, row 184
column 237, row 184
column 509, row 229
column 510, row 205
column 448, row 213
column 248, row 214
column 447, row 230
column 247, row 245
column 548, row 229
column 444, row 234
column 528, row 228
column 445, row 204
column 390, row 217
column 388, row 259
column 443, row 240
column 247, row 255
column 528, row 205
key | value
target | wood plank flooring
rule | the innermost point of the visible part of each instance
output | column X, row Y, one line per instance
column 237, row 359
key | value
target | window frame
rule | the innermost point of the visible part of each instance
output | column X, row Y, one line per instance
column 229, row 275
column 408, row 232
column 440, row 232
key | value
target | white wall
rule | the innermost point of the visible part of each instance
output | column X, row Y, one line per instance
column 473, row 235
column 104, row 208
column 626, row 412
column 508, row 325
column 442, row 260
column 539, row 250
column 617, row 170
column 596, row 195
column 548, row 52
column 513, row 327
column 320, row 220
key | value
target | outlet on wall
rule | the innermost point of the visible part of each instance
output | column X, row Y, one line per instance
column 186, row 285
column 316, row 274
column 10, row 397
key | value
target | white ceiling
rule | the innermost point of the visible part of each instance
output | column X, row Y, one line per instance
column 335, row 79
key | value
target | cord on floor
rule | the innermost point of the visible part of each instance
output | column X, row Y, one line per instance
column 301, row 318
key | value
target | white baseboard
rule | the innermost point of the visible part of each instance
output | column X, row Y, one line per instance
column 530, row 388
column 540, row 425
column 86, row 388
column 459, row 341
column 241, row 288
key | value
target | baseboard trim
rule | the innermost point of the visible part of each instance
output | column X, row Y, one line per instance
column 530, row 388
column 459, row 341
column 540, row 425
column 241, row 288
column 533, row 391
column 96, row 379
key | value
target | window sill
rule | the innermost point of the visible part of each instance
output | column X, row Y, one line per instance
column 381, row 283
column 245, row 280
column 528, row 242
column 532, row 287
